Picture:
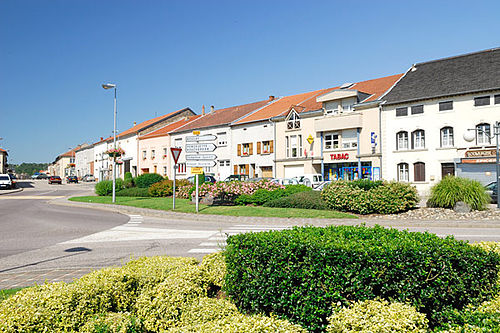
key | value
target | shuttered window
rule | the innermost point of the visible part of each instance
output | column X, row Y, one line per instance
column 417, row 109
column 497, row 99
column 419, row 171
column 400, row 112
column 483, row 100
column 445, row 106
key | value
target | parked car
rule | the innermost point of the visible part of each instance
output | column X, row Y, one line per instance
column 5, row 181
column 321, row 186
column 492, row 191
column 285, row 181
column 88, row 178
column 55, row 180
column 72, row 179
column 236, row 177
column 208, row 179
column 312, row 180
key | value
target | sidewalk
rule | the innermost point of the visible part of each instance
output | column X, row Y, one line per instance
column 11, row 191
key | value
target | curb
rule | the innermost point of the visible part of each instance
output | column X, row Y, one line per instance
column 12, row 191
column 293, row 221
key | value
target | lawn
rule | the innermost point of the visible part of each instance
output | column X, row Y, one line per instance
column 185, row 206
column 4, row 294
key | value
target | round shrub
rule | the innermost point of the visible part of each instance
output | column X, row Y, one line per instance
column 306, row 200
column 259, row 197
column 128, row 180
column 122, row 322
column 105, row 187
column 365, row 184
column 214, row 265
column 377, row 316
column 147, row 179
column 292, row 189
column 452, row 189
column 162, row 189
column 133, row 192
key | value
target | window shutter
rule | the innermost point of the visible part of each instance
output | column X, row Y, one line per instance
column 271, row 146
column 247, row 169
column 258, row 147
column 236, row 169
column 239, row 150
column 250, row 149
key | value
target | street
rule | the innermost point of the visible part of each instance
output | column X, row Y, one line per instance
column 44, row 240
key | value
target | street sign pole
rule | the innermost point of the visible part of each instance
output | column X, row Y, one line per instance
column 197, row 193
column 173, row 198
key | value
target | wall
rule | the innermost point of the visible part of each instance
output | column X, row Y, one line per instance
column 161, row 160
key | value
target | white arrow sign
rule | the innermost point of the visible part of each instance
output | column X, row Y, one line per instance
column 200, row 147
column 196, row 138
column 198, row 157
column 194, row 164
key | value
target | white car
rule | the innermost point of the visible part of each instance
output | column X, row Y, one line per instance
column 312, row 180
column 285, row 181
column 6, row 181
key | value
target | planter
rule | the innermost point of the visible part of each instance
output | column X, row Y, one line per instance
column 114, row 154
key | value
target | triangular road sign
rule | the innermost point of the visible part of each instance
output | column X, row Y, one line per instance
column 176, row 152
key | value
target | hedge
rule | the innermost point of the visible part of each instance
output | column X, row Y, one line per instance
column 306, row 200
column 263, row 196
column 147, row 179
column 452, row 189
column 105, row 187
column 299, row 273
column 162, row 189
column 133, row 192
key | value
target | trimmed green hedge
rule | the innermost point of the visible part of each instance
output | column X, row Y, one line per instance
column 299, row 273
column 147, row 179
column 452, row 189
column 133, row 192
column 306, row 200
column 105, row 187
column 262, row 196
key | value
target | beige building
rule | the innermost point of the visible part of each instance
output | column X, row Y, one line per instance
column 335, row 135
column 64, row 164
column 3, row 160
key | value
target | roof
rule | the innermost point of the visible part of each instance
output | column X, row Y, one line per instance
column 3, row 151
column 281, row 106
column 70, row 153
column 467, row 73
column 169, row 128
column 151, row 122
column 222, row 116
column 376, row 87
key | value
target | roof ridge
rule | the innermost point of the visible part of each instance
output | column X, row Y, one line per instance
column 457, row 56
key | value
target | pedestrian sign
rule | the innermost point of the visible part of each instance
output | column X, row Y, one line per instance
column 176, row 152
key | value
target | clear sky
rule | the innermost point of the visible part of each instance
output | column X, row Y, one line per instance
column 167, row 55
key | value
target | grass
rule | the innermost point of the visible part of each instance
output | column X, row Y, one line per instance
column 185, row 206
column 6, row 293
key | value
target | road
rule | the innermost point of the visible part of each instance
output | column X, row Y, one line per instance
column 63, row 242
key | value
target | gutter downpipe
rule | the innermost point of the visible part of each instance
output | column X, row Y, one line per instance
column 274, row 146
column 380, row 137
column 322, row 160
column 359, row 157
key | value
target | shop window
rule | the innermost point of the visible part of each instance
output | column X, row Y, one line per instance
column 483, row 134
column 403, row 174
column 447, row 137
column 402, row 140
column 331, row 141
column 418, row 139
column 482, row 101
column 293, row 121
column 419, row 171
column 445, row 106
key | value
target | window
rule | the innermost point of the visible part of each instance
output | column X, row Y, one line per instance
column 224, row 163
column 403, row 174
column 293, row 146
column 293, row 121
column 243, row 169
column 402, row 140
column 483, row 134
column 419, row 171
column 349, row 139
column 287, row 139
column 266, row 147
column 418, row 139
column 246, row 149
column 447, row 137
column 445, row 106
column 348, row 107
column 400, row 112
column 331, row 141
column 332, row 107
column 144, row 154
column 497, row 99
column 481, row 101
column 417, row 109
column 153, row 154
column 222, row 139
column 178, row 143
column 164, row 170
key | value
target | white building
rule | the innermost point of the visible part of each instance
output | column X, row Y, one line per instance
column 84, row 160
column 427, row 112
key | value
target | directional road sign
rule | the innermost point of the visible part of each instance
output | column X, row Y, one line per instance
column 198, row 157
column 199, row 147
column 196, row 138
column 194, row 164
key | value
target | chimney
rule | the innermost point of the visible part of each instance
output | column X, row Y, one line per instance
column 271, row 98
column 212, row 109
column 203, row 109
column 102, row 138
column 135, row 123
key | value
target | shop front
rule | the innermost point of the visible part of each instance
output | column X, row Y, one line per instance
column 345, row 166
column 478, row 165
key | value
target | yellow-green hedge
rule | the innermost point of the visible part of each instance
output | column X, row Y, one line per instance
column 122, row 322
column 377, row 316
column 214, row 265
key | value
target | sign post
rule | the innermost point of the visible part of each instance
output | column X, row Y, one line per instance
column 176, row 152
column 197, row 191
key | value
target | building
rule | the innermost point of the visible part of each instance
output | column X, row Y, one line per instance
column 154, row 149
column 3, row 160
column 64, row 164
column 216, row 122
column 102, row 163
column 84, row 160
column 335, row 133
column 426, row 114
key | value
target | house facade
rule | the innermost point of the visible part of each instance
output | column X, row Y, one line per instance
column 429, row 110
column 64, row 164
column 103, row 169
column 3, row 160
column 84, row 161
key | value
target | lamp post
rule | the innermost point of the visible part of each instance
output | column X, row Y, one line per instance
column 113, row 86
column 470, row 135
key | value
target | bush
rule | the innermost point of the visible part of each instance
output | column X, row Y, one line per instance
column 229, row 191
column 147, row 179
column 298, row 273
column 292, row 189
column 306, row 200
column 377, row 316
column 214, row 265
column 262, row 196
column 162, row 189
column 452, row 189
column 128, row 180
column 184, row 191
column 133, row 192
column 113, row 323
column 385, row 198
column 365, row 184
column 105, row 187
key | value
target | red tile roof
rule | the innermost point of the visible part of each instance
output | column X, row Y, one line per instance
column 149, row 122
column 377, row 87
column 169, row 128
column 2, row 150
column 222, row 116
column 70, row 153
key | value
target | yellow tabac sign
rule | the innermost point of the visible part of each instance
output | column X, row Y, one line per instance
column 196, row 171
column 310, row 139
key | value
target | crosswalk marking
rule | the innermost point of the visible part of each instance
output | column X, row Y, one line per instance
column 135, row 219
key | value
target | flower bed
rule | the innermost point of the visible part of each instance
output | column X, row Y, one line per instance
column 229, row 191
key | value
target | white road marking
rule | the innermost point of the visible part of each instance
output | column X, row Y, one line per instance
column 135, row 219
column 203, row 250
column 30, row 197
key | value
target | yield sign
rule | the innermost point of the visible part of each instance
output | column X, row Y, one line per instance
column 176, row 152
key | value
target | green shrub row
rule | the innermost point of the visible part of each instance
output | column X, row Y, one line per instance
column 452, row 189
column 385, row 198
column 128, row 180
column 105, row 187
column 299, row 273
column 147, row 179
column 262, row 196
column 306, row 200
column 161, row 189
column 133, row 192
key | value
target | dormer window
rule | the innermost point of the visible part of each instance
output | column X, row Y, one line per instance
column 293, row 121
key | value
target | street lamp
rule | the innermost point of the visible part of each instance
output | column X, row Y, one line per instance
column 470, row 135
column 113, row 86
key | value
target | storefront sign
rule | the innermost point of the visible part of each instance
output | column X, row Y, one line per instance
column 481, row 153
column 343, row 156
column 478, row 160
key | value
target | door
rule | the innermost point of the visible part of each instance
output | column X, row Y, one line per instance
column 447, row 169
column 267, row 172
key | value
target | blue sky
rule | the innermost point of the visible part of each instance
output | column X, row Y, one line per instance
column 166, row 55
